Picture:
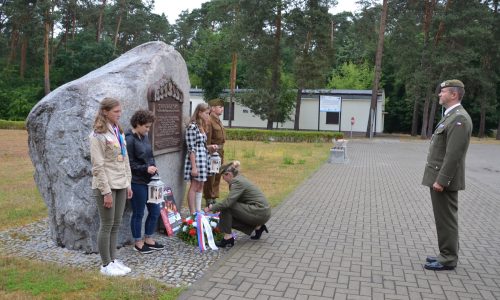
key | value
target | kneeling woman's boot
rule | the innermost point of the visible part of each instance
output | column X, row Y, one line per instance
column 225, row 243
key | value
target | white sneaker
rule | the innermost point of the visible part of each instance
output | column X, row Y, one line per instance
column 112, row 270
column 121, row 265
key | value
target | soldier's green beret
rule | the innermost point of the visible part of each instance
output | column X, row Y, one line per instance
column 216, row 102
column 452, row 83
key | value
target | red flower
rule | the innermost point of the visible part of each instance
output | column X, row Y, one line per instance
column 216, row 230
column 190, row 222
column 192, row 231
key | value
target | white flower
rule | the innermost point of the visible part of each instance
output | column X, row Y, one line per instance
column 188, row 218
column 195, row 225
column 184, row 228
column 213, row 224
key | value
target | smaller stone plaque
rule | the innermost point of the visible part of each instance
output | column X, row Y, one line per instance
column 165, row 100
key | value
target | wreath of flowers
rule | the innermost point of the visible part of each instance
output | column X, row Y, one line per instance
column 188, row 233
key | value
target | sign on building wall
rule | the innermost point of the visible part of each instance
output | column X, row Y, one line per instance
column 329, row 103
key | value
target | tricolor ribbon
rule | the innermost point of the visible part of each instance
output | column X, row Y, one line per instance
column 203, row 228
column 120, row 140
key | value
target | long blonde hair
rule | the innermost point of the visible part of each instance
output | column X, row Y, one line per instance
column 196, row 115
column 101, row 121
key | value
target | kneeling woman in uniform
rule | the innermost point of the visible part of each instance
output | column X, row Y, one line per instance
column 245, row 209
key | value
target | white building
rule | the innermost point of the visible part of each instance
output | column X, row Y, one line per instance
column 321, row 110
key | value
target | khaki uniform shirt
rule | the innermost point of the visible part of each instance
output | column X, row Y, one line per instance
column 447, row 150
column 107, row 171
column 216, row 133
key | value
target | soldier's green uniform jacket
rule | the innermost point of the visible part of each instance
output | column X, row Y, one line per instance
column 216, row 133
column 247, row 203
column 446, row 158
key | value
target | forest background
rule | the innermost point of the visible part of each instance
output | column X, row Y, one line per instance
column 276, row 48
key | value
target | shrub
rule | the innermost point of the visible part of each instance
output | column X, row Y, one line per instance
column 5, row 124
column 290, row 136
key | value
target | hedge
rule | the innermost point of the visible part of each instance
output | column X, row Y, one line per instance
column 282, row 135
column 290, row 136
column 5, row 124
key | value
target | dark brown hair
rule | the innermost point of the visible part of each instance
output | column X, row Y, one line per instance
column 141, row 117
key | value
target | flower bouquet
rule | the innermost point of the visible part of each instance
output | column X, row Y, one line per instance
column 199, row 229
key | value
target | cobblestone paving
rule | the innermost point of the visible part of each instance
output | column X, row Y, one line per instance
column 362, row 231
column 178, row 264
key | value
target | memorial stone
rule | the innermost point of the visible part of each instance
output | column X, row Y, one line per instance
column 152, row 75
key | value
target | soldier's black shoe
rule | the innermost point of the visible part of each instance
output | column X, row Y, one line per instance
column 437, row 266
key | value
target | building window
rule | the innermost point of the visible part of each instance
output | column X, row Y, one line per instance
column 332, row 118
column 226, row 111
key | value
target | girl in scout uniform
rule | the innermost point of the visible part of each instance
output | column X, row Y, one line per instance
column 110, row 181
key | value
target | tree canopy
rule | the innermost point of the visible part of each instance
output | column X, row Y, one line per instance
column 276, row 49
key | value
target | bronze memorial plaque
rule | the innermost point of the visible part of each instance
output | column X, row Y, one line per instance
column 165, row 101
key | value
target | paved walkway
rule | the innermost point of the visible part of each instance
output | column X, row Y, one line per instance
column 362, row 231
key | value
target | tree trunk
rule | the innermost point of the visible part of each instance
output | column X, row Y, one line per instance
column 378, row 69
column 440, row 31
column 425, row 118
column 432, row 116
column 498, row 129
column 122, row 9
column 414, row 120
column 424, row 67
column 24, row 48
column 99, row 22
column 46, row 63
column 73, row 26
column 297, row 109
column 482, row 119
column 275, row 77
column 13, row 45
column 232, row 85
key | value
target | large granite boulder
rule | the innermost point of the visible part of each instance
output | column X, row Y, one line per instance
column 59, row 126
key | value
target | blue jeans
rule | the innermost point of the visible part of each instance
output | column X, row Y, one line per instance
column 138, row 201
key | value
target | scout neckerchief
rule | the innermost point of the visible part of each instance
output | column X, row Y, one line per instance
column 120, row 140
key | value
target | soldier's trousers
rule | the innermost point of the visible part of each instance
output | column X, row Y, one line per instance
column 211, row 186
column 445, row 206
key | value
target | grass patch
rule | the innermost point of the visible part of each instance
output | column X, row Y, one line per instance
column 264, row 164
column 27, row 279
column 20, row 201
column 287, row 160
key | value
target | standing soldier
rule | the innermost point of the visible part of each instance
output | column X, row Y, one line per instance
column 445, row 172
column 215, row 135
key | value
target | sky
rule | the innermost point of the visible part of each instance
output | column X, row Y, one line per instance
column 172, row 8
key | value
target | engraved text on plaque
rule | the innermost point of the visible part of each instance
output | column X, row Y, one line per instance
column 165, row 100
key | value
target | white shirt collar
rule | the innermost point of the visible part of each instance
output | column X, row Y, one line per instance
column 450, row 108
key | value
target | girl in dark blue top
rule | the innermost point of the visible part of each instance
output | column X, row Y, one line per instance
column 143, row 167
